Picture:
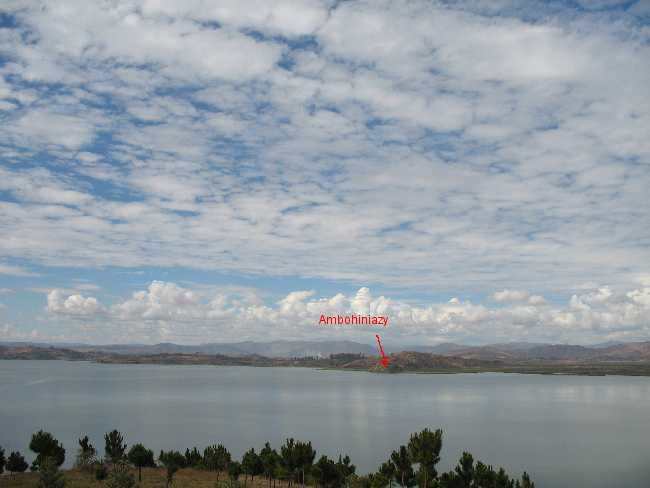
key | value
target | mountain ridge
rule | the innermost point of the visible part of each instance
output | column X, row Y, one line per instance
column 515, row 351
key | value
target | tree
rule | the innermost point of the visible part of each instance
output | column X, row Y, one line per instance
column 403, row 467
column 192, row 458
column 49, row 474
column 114, row 446
column 288, row 458
column 85, row 455
column 326, row 473
column 525, row 481
column 502, row 479
column 465, row 470
column 46, row 446
column 216, row 458
column 387, row 470
column 424, row 448
column 234, row 470
column 297, row 457
column 2, row 460
column 120, row 477
column 16, row 463
column 345, row 468
column 251, row 464
column 484, row 476
column 304, row 458
column 86, row 446
column 270, row 459
column 140, row 457
column 172, row 461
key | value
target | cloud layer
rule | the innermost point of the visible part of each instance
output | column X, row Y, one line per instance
column 168, row 312
column 424, row 146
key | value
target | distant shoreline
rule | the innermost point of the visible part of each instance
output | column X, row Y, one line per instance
column 404, row 362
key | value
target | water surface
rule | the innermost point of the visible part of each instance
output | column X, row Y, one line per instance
column 564, row 430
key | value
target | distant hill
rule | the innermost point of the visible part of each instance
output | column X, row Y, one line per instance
column 506, row 352
column 634, row 351
column 632, row 359
column 274, row 349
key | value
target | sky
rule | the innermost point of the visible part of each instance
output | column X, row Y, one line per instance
column 201, row 171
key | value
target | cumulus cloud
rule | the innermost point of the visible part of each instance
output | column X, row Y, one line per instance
column 58, row 302
column 168, row 310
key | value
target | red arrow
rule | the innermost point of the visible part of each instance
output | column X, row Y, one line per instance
column 384, row 358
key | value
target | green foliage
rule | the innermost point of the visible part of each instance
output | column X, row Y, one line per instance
column 49, row 474
column 252, row 463
column 101, row 471
column 388, row 471
column 345, row 467
column 330, row 474
column 46, row 446
column 469, row 475
column 403, row 463
column 216, row 458
column 2, row 460
column 120, row 477
column 326, row 473
column 295, row 462
column 526, row 482
column 86, row 459
column 140, row 457
column 172, row 461
column 270, row 460
column 297, row 458
column 193, row 458
column 114, row 446
column 86, row 446
column 424, row 448
column 234, row 470
column 16, row 463
column 465, row 470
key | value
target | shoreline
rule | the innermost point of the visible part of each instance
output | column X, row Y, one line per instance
column 623, row 369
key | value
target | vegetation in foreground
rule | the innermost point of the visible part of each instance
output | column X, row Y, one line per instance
column 413, row 464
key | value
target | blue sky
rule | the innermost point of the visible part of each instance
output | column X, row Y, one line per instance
column 196, row 171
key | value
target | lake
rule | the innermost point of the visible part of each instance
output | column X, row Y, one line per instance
column 563, row 430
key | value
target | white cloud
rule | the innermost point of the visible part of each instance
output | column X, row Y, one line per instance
column 418, row 145
column 6, row 269
column 171, row 312
column 511, row 296
column 286, row 17
column 74, row 305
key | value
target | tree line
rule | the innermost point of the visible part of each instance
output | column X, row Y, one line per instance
column 412, row 464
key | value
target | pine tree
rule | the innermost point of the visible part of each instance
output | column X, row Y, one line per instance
column 115, row 447
column 465, row 470
column 85, row 455
column 216, row 458
column 173, row 461
column 140, row 457
column 424, row 448
column 16, row 463
column 46, row 446
column 270, row 459
column 403, row 467
column 49, row 474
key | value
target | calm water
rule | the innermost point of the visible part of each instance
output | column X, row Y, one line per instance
column 565, row 431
